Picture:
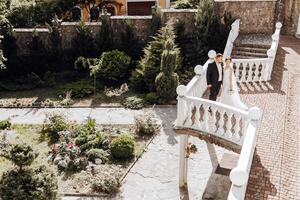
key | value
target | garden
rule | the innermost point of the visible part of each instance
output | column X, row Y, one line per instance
column 63, row 157
column 105, row 68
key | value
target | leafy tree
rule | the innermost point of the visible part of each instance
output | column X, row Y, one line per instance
column 143, row 78
column 167, row 80
column 83, row 43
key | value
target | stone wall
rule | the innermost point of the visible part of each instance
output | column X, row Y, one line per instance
column 187, row 16
column 141, row 26
column 257, row 16
column 291, row 14
column 24, row 37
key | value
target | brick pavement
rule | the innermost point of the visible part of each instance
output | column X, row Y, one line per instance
column 275, row 172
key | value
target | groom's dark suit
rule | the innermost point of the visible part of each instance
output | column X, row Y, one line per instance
column 212, row 78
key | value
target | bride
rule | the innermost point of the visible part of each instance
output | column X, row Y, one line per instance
column 230, row 95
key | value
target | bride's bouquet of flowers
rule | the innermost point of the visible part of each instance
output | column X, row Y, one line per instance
column 230, row 91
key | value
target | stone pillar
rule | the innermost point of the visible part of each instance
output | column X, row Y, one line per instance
column 183, row 161
column 298, row 28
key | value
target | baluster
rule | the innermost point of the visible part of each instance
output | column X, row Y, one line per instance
column 189, row 121
column 256, row 73
column 250, row 72
column 244, row 66
column 237, row 71
column 237, row 128
column 245, row 123
column 214, row 119
column 229, row 125
column 263, row 72
column 205, row 118
column 196, row 124
column 221, row 123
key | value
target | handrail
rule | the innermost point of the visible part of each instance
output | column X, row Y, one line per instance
column 216, row 104
column 197, row 86
column 273, row 49
column 233, row 34
column 240, row 174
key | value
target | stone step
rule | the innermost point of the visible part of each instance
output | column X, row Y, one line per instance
column 249, row 45
column 242, row 57
column 250, row 54
column 250, row 49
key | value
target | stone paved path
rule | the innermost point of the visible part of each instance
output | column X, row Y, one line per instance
column 102, row 115
column 275, row 172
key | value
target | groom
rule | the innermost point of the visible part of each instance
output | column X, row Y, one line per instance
column 214, row 77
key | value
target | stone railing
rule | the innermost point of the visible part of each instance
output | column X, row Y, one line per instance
column 251, row 70
column 257, row 69
column 216, row 119
column 212, row 117
column 273, row 50
column 233, row 34
column 240, row 174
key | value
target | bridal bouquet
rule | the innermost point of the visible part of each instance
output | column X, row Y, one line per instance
column 230, row 91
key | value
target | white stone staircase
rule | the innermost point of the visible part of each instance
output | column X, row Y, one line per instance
column 220, row 121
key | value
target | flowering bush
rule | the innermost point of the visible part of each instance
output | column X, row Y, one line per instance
column 53, row 124
column 145, row 124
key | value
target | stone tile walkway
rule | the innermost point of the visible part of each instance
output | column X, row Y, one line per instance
column 275, row 172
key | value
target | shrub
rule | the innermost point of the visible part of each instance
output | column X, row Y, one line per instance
column 167, row 80
column 108, row 184
column 79, row 89
column 35, row 80
column 98, row 140
column 49, row 79
column 113, row 66
column 21, row 155
column 39, row 183
column 122, row 147
column 92, row 154
column 133, row 102
column 5, row 124
column 54, row 124
column 151, row 98
column 145, row 124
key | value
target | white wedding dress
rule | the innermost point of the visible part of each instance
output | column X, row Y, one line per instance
column 231, row 98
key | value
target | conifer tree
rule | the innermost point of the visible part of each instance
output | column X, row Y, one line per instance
column 167, row 80
column 143, row 78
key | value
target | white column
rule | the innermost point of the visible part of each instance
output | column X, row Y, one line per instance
column 183, row 160
column 298, row 28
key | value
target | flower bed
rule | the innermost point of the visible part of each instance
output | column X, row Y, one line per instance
column 88, row 159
